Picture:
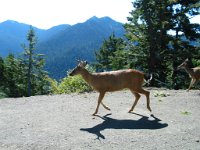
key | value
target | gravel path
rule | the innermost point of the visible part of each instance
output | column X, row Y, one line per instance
column 64, row 122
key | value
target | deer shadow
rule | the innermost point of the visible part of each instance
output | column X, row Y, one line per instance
column 111, row 123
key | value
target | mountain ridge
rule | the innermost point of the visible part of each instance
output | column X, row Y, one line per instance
column 61, row 44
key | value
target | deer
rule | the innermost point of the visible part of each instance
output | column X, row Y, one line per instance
column 111, row 81
column 194, row 73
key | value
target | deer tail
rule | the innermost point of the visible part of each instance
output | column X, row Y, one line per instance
column 148, row 78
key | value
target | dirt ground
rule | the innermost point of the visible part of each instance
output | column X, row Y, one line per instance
column 64, row 122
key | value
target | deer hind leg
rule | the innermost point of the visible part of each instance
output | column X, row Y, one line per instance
column 137, row 97
column 101, row 95
column 106, row 107
column 146, row 93
column 193, row 81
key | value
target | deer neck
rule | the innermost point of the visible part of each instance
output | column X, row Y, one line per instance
column 86, row 75
column 189, row 71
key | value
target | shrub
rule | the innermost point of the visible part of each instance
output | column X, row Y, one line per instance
column 53, row 86
column 3, row 94
column 74, row 84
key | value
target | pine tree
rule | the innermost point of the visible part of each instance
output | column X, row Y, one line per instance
column 185, row 33
column 110, row 55
column 34, row 64
column 2, row 78
column 13, row 77
column 150, row 26
column 1, row 72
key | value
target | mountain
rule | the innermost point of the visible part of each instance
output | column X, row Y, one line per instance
column 46, row 34
column 62, row 44
column 13, row 35
column 78, row 41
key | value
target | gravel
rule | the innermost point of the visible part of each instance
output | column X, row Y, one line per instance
column 65, row 122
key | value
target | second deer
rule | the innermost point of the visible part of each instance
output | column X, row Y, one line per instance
column 113, row 81
column 194, row 73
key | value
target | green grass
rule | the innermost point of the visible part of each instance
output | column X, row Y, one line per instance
column 186, row 113
column 160, row 94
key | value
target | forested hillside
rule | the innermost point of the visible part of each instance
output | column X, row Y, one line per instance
column 62, row 44
column 78, row 41
column 12, row 35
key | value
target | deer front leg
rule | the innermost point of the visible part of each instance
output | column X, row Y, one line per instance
column 193, row 81
column 101, row 95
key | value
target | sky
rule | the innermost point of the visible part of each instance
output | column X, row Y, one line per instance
column 45, row 14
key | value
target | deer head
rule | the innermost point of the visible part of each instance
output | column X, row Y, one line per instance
column 78, row 69
column 183, row 65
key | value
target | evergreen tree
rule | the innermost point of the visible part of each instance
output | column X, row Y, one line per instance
column 185, row 33
column 13, row 77
column 1, row 72
column 41, row 84
column 110, row 55
column 34, row 64
column 24, row 76
column 149, row 26
column 2, row 79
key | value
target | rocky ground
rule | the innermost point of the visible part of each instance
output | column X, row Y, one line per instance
column 64, row 122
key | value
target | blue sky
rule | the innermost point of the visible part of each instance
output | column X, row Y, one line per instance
column 47, row 13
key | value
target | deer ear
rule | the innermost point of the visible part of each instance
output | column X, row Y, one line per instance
column 78, row 60
column 187, row 60
column 84, row 63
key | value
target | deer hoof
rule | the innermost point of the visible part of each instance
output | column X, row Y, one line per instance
column 108, row 108
column 94, row 114
column 149, row 109
column 130, row 111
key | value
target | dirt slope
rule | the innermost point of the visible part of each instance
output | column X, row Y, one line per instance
column 62, row 122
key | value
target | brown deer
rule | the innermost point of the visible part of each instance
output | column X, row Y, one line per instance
column 194, row 73
column 113, row 81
